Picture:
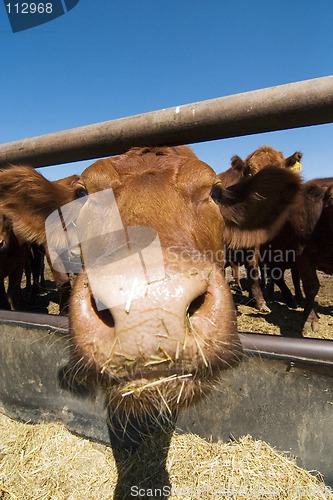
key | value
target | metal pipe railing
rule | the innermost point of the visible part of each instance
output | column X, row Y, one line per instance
column 308, row 350
column 299, row 104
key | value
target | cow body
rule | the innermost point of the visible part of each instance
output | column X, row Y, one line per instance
column 163, row 345
column 34, row 268
column 304, row 244
column 12, row 259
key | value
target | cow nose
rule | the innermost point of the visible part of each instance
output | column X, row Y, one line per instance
column 182, row 322
column 149, row 309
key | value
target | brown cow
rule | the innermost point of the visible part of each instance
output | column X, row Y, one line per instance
column 303, row 204
column 264, row 156
column 324, row 182
column 260, row 159
column 12, row 259
column 166, row 344
column 305, row 242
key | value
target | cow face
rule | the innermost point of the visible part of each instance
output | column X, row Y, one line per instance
column 155, row 327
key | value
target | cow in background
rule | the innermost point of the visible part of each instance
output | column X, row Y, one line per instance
column 264, row 156
column 306, row 242
column 316, row 196
column 260, row 159
column 16, row 258
column 324, row 182
column 12, row 259
column 35, row 268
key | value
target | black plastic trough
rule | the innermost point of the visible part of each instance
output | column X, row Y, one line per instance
column 281, row 393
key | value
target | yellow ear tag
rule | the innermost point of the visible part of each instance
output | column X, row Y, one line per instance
column 297, row 167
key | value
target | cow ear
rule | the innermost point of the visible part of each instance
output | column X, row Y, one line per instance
column 28, row 199
column 255, row 209
column 328, row 201
column 294, row 158
column 238, row 164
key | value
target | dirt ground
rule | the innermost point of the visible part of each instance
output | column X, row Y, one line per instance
column 285, row 321
column 281, row 321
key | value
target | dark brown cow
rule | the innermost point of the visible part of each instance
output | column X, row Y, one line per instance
column 289, row 263
column 260, row 159
column 34, row 268
column 12, row 259
column 164, row 345
column 305, row 242
column 324, row 182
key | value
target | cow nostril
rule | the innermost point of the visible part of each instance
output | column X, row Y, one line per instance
column 107, row 317
column 196, row 304
column 104, row 314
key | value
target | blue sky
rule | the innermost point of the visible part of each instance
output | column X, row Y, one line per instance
column 107, row 59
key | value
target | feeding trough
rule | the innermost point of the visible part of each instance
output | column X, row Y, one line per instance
column 281, row 393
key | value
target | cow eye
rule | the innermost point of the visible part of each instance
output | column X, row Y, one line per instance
column 216, row 193
column 81, row 192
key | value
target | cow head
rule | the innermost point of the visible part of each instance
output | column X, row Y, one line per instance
column 261, row 158
column 153, row 336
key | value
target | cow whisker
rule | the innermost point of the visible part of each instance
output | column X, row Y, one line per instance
column 164, row 401
column 180, row 392
column 155, row 383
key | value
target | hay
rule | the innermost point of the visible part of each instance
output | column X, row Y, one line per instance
column 43, row 462
column 46, row 461
column 242, row 469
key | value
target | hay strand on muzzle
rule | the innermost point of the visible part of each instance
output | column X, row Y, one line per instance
column 42, row 462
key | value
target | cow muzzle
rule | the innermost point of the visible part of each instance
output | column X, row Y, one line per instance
column 157, row 339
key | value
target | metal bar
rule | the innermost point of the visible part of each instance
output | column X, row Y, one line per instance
column 299, row 104
column 50, row 322
column 309, row 350
column 305, row 349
